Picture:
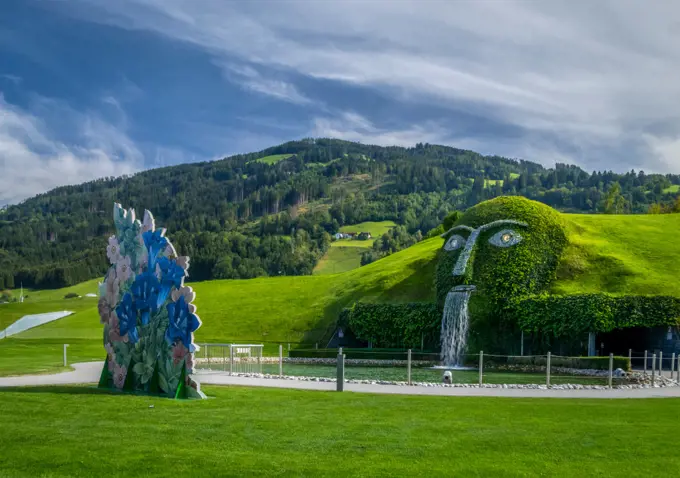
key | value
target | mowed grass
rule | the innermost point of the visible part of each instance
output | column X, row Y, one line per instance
column 80, row 431
column 672, row 189
column 339, row 259
column 626, row 254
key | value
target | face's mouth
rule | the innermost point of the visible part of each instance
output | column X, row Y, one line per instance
column 464, row 288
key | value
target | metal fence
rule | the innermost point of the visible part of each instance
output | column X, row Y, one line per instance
column 410, row 367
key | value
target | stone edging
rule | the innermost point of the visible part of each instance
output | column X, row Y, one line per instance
column 662, row 384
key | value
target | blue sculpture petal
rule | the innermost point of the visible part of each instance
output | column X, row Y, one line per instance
column 182, row 323
column 146, row 290
column 155, row 243
column 127, row 318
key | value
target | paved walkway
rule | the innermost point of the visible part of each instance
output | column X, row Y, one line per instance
column 89, row 373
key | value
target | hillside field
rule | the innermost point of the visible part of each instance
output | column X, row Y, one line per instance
column 633, row 254
column 345, row 254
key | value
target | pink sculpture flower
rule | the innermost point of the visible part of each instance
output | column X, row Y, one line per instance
column 104, row 311
column 112, row 288
column 170, row 251
column 123, row 269
column 189, row 362
column 179, row 351
column 186, row 292
column 110, row 357
column 114, row 330
column 148, row 224
column 113, row 250
column 119, row 374
column 183, row 262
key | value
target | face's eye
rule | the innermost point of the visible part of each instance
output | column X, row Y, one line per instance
column 505, row 238
column 454, row 242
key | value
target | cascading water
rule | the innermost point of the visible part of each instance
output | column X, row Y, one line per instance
column 455, row 325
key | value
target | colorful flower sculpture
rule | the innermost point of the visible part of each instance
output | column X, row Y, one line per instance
column 148, row 315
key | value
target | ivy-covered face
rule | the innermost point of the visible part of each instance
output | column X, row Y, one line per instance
column 507, row 247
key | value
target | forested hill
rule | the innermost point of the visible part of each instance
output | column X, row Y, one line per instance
column 273, row 212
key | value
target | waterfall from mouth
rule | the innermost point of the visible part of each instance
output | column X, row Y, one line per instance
column 455, row 323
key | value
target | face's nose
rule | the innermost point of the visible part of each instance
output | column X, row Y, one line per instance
column 462, row 262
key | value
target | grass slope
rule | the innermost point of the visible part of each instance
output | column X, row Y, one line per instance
column 267, row 309
column 627, row 254
column 340, row 259
column 79, row 431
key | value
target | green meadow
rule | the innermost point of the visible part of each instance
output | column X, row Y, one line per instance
column 617, row 254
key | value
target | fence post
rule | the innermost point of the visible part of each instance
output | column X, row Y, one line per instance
column 289, row 346
column 677, row 370
column 422, row 341
column 672, row 364
column 316, row 346
column 660, row 362
column 630, row 358
column 280, row 360
column 547, row 371
column 224, row 359
column 65, row 361
column 481, row 365
column 231, row 358
column 341, row 372
column 611, row 369
column 653, row 367
column 521, row 345
column 408, row 365
column 644, row 370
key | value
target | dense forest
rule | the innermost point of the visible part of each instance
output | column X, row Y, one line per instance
column 273, row 212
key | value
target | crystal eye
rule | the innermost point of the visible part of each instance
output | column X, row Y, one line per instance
column 505, row 238
column 455, row 242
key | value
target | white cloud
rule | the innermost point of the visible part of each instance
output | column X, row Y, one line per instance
column 351, row 126
column 596, row 73
column 33, row 160
column 250, row 79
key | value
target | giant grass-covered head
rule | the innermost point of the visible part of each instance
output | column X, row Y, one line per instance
column 507, row 248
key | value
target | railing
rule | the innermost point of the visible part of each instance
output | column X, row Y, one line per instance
column 412, row 368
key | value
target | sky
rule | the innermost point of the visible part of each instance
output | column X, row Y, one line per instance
column 94, row 88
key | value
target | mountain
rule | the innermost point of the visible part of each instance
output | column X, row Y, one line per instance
column 273, row 212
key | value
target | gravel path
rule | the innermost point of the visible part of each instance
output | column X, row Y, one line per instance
column 89, row 373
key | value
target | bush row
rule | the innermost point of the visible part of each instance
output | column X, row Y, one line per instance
column 586, row 363
column 572, row 315
column 394, row 325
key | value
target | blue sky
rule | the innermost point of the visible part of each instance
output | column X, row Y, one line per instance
column 92, row 88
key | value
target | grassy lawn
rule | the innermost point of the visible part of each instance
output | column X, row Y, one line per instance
column 339, row 259
column 22, row 356
column 672, row 189
column 79, row 431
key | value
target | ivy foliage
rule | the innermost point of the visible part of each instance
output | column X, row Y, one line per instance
column 563, row 316
column 394, row 325
column 503, row 273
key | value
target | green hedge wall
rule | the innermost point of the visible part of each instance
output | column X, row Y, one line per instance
column 572, row 315
column 394, row 325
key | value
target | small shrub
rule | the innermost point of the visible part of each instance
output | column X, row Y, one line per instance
column 71, row 295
